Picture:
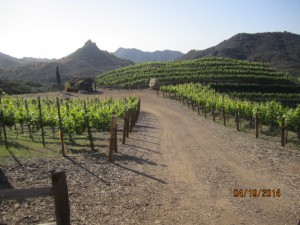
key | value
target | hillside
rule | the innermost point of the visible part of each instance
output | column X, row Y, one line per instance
column 8, row 61
column 137, row 55
column 87, row 61
column 20, row 86
column 222, row 74
column 280, row 49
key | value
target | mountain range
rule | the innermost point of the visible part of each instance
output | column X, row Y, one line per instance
column 87, row 61
column 137, row 55
column 280, row 49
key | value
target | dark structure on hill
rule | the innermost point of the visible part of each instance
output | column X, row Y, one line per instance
column 280, row 49
column 77, row 84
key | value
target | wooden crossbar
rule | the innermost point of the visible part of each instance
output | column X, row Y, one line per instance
column 19, row 194
column 59, row 191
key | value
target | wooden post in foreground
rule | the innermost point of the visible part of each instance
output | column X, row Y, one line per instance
column 61, row 198
column 112, row 137
column 283, row 131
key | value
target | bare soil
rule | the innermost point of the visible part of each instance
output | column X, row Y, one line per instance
column 176, row 168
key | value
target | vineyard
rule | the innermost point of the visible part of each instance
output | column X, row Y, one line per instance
column 46, row 120
column 269, row 113
column 223, row 75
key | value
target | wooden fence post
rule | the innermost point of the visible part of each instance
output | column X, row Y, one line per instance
column 116, row 139
column 4, row 129
column 27, row 113
column 61, row 135
column 125, row 127
column 61, row 198
column 224, row 115
column 237, row 120
column 131, row 119
column 256, row 125
column 112, row 137
column 88, row 127
column 283, row 131
column 213, row 113
column 128, row 123
column 41, row 121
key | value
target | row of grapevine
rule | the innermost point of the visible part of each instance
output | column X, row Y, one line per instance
column 70, row 116
column 222, row 74
column 270, row 112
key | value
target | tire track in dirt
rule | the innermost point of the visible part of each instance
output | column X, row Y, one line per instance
column 207, row 168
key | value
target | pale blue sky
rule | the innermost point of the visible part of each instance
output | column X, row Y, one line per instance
column 56, row 28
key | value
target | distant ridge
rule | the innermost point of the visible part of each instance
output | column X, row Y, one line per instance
column 280, row 49
column 8, row 61
column 137, row 55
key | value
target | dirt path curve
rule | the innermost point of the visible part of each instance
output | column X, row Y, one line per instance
column 204, row 163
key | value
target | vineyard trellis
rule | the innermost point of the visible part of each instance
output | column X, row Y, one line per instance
column 270, row 113
column 69, row 116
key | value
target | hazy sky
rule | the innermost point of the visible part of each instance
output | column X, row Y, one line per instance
column 56, row 28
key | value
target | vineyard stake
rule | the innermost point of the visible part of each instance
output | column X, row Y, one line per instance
column 88, row 127
column 125, row 127
column 131, row 119
column 116, row 139
column 224, row 116
column 237, row 120
column 41, row 120
column 213, row 113
column 27, row 112
column 256, row 125
column 283, row 131
column 3, row 127
column 112, row 137
column 127, row 123
column 61, row 135
column 67, row 111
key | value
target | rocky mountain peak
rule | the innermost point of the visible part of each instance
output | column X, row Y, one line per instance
column 90, row 44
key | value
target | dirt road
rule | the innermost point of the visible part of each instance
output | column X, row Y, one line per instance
column 205, row 162
column 176, row 168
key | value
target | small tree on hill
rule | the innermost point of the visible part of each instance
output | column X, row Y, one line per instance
column 58, row 78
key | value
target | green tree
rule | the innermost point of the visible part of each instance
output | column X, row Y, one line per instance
column 58, row 78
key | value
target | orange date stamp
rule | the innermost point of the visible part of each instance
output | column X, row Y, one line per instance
column 257, row 193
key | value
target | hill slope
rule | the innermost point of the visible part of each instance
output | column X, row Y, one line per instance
column 137, row 55
column 280, row 49
column 87, row 61
column 227, row 75
column 8, row 61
